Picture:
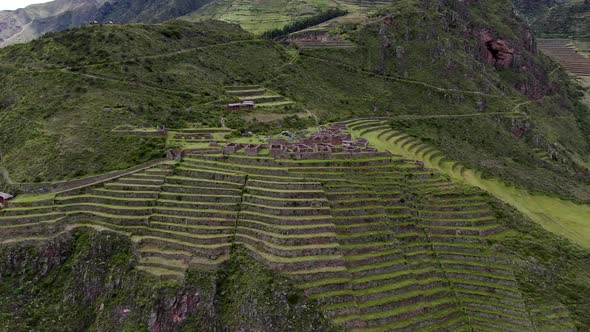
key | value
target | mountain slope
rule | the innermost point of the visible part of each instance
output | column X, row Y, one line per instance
column 29, row 23
column 216, row 241
column 60, row 122
column 86, row 281
column 173, row 73
column 563, row 18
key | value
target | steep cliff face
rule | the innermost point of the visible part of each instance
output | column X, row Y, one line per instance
column 87, row 281
column 509, row 47
column 26, row 24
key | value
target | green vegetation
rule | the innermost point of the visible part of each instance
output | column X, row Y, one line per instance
column 247, row 284
column 173, row 74
column 260, row 16
column 87, row 281
column 559, row 216
column 557, row 19
column 304, row 23
column 560, row 271
column 61, row 124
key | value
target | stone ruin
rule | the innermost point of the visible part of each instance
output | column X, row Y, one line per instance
column 326, row 143
column 195, row 137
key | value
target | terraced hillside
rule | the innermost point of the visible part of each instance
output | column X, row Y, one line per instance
column 259, row 16
column 381, row 242
column 197, row 139
column 564, row 52
column 319, row 42
column 559, row 216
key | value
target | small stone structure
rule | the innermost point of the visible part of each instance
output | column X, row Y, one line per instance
column 330, row 142
column 4, row 198
column 245, row 105
column 194, row 137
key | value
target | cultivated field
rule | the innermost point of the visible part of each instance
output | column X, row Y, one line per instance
column 564, row 52
column 260, row 16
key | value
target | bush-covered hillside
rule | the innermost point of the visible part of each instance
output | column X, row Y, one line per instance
column 461, row 58
column 57, row 120
column 87, row 281
column 430, row 59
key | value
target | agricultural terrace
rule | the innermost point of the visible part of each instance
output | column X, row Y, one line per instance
column 564, row 52
column 556, row 215
column 259, row 17
column 262, row 97
column 379, row 240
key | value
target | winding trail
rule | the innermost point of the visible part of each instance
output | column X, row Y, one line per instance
column 171, row 54
column 405, row 80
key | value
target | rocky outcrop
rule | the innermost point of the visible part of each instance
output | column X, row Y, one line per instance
column 87, row 281
column 171, row 313
column 497, row 51
column 516, row 55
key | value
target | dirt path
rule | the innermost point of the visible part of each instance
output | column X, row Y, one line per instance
column 121, row 81
column 405, row 80
column 170, row 54
column 438, row 116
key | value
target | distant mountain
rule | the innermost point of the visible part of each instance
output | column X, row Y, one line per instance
column 26, row 24
column 560, row 18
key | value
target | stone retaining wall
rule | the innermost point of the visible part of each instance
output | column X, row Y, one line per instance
column 47, row 187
